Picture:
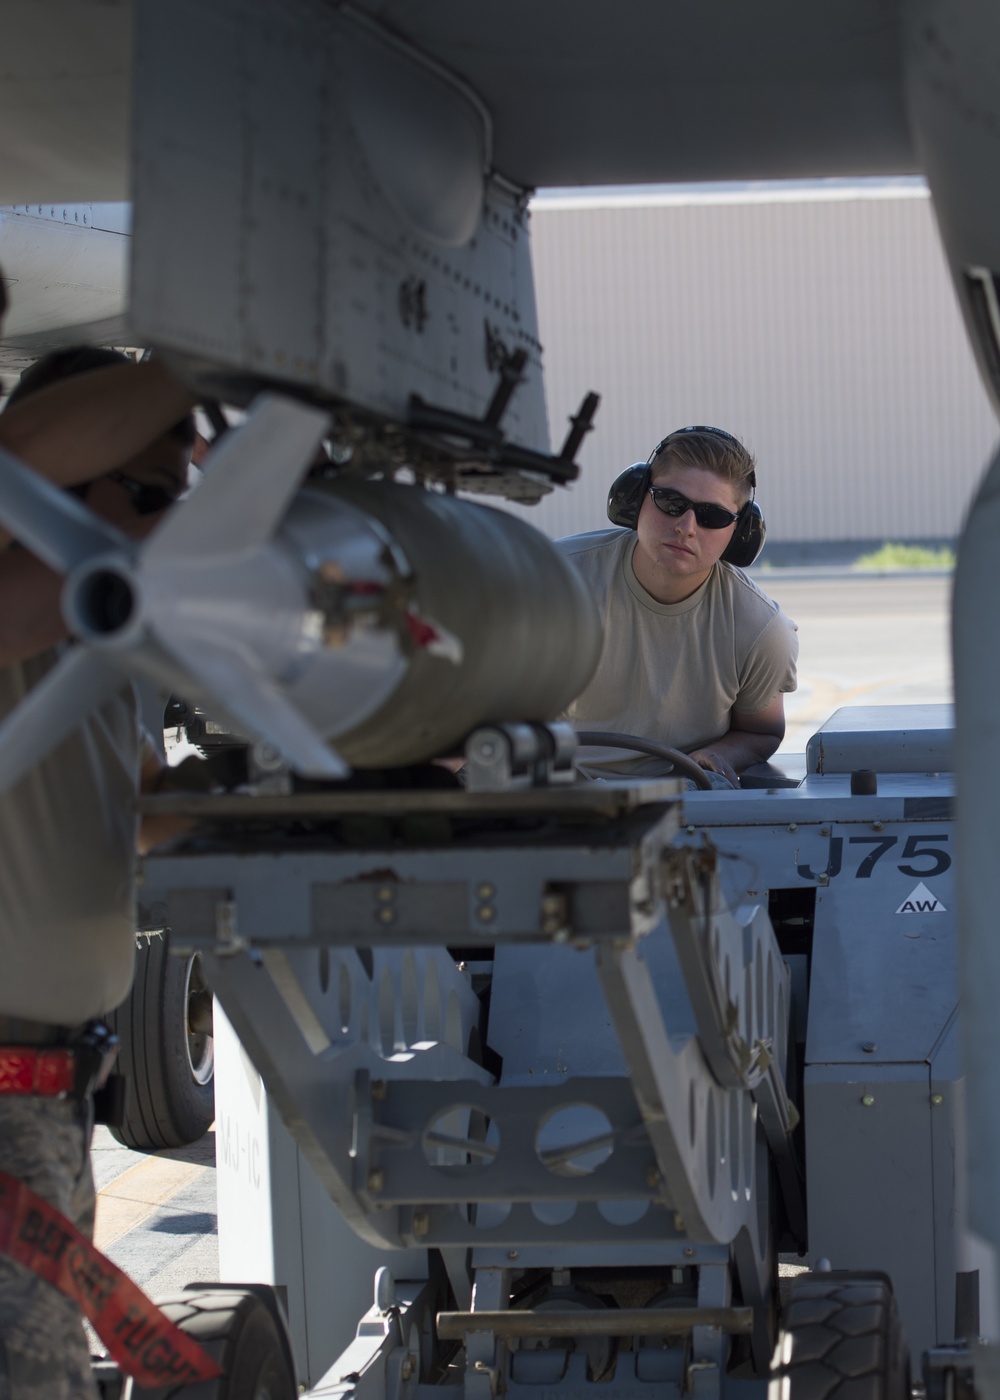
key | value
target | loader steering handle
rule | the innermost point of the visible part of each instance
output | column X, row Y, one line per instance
column 681, row 763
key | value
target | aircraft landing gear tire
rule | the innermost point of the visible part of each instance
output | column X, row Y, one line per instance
column 167, row 1051
column 841, row 1339
column 240, row 1331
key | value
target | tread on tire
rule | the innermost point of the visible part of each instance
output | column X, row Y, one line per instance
column 170, row 1095
column 239, row 1330
column 841, row 1339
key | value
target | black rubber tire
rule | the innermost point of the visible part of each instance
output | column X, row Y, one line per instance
column 239, row 1331
column 841, row 1339
column 170, row 1086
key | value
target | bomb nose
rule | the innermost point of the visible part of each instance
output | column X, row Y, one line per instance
column 101, row 601
column 109, row 601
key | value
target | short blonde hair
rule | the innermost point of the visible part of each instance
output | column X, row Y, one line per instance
column 711, row 450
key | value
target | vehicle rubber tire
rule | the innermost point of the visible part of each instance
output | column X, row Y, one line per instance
column 841, row 1339
column 239, row 1331
column 169, row 1068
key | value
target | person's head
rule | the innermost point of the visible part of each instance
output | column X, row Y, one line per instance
column 63, row 364
column 706, row 449
column 691, row 505
column 154, row 477
column 697, row 483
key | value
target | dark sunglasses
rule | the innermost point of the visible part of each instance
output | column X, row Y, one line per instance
column 708, row 515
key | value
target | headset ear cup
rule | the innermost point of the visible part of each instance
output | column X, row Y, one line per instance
column 748, row 537
column 626, row 495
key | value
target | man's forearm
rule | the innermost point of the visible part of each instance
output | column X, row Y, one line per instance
column 738, row 750
column 30, row 619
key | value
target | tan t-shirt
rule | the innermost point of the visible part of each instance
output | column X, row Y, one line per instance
column 673, row 672
column 67, row 864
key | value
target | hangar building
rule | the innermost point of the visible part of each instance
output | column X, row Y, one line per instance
column 814, row 320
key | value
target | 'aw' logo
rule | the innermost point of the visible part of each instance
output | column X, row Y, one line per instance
column 921, row 901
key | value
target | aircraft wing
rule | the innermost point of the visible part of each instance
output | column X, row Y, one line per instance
column 644, row 91
column 65, row 267
column 65, row 82
column 598, row 92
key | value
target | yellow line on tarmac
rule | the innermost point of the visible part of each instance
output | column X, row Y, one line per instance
column 133, row 1197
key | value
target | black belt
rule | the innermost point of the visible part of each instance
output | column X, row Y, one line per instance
column 17, row 1030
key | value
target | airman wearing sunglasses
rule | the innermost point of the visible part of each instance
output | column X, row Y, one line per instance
column 119, row 434
column 695, row 654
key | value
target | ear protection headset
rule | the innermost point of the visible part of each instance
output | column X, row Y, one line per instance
column 629, row 491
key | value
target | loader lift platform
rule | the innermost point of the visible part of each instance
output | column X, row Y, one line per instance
column 557, row 1042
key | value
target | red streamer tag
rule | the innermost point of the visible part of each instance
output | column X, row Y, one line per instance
column 143, row 1341
column 422, row 632
column 26, row 1070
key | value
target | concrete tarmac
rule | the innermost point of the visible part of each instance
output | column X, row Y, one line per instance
column 156, row 1212
column 864, row 639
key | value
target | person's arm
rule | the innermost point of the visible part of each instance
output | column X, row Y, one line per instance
column 750, row 739
column 31, row 620
column 89, row 424
column 192, row 775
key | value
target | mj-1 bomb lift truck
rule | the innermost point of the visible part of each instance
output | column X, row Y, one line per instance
column 573, row 1062
column 582, row 1059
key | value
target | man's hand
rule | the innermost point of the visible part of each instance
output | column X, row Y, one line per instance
column 715, row 762
column 750, row 739
column 156, row 776
column 91, row 423
column 30, row 616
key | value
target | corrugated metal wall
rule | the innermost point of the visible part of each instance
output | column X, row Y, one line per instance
column 818, row 326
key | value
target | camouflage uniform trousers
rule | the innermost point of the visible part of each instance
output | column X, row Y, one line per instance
column 44, row 1353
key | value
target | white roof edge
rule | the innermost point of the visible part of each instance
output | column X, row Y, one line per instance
column 737, row 192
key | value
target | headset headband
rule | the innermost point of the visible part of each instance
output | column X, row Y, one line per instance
column 708, row 432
